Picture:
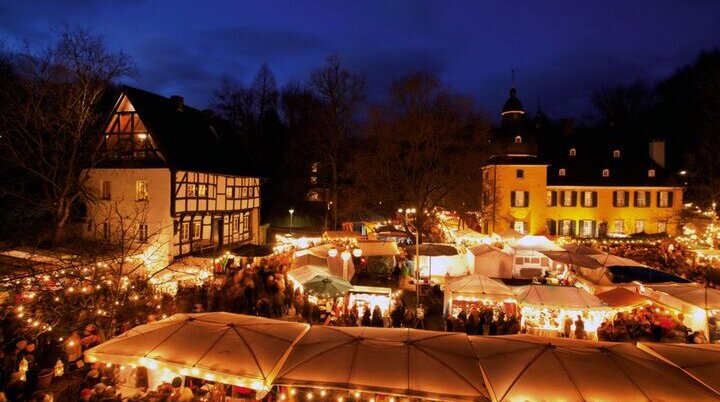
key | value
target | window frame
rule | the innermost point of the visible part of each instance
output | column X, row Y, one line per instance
column 103, row 194
column 141, row 195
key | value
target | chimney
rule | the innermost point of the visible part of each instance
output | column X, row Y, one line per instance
column 178, row 102
column 568, row 126
column 657, row 151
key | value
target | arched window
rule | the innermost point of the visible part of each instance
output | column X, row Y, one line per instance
column 561, row 172
column 573, row 152
column 616, row 153
column 606, row 172
column 651, row 173
column 518, row 140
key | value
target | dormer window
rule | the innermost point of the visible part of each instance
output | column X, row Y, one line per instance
column 606, row 172
column 518, row 140
column 616, row 153
column 561, row 172
column 573, row 152
column 651, row 173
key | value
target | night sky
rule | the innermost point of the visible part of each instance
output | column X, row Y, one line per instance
column 561, row 50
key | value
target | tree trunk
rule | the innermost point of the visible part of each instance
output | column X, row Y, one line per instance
column 62, row 215
column 334, row 195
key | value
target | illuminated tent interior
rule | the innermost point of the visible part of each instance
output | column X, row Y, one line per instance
column 558, row 296
column 528, row 368
column 318, row 255
column 693, row 299
column 477, row 288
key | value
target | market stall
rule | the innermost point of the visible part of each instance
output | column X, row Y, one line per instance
column 439, row 260
column 545, row 307
column 530, row 368
column 699, row 304
column 325, row 255
column 477, row 290
column 367, row 297
column 299, row 276
column 490, row 261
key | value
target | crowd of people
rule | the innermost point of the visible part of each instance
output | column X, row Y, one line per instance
column 485, row 320
column 645, row 324
column 668, row 256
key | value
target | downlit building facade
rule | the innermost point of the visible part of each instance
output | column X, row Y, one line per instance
column 587, row 185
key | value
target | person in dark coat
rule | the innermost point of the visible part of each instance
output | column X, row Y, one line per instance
column 377, row 320
column 366, row 320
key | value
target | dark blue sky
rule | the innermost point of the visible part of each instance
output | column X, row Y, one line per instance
column 561, row 50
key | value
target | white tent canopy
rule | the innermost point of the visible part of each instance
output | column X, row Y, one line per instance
column 558, row 297
column 476, row 285
column 307, row 272
column 318, row 255
column 693, row 299
column 537, row 243
column 700, row 361
column 375, row 248
column 433, row 365
column 230, row 348
column 529, row 368
column 490, row 261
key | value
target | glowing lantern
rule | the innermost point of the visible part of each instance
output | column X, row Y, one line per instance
column 333, row 252
column 345, row 255
column 23, row 368
column 357, row 253
column 59, row 368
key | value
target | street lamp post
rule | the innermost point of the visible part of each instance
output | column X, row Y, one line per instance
column 416, row 259
column 292, row 211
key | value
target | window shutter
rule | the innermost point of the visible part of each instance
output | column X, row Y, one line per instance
column 594, row 198
column 572, row 228
column 657, row 198
column 527, row 199
column 594, row 226
column 627, row 198
column 553, row 198
column 615, row 199
column 574, row 198
column 647, row 199
column 551, row 227
column 670, row 199
column 512, row 198
column 635, row 199
column 562, row 198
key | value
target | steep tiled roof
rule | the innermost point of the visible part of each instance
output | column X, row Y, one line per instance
column 188, row 138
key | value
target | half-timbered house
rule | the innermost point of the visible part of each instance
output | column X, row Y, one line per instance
column 173, row 177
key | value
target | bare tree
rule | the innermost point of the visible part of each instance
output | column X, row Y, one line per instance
column 426, row 144
column 341, row 94
column 51, row 119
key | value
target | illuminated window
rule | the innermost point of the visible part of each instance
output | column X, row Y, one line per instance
column 651, row 173
column 662, row 227
column 589, row 198
column 185, row 231
column 606, row 173
column 202, row 190
column 620, row 200
column 519, row 199
column 619, row 226
column 587, row 228
column 639, row 226
column 551, row 198
column 141, row 190
column 191, row 190
column 567, row 198
column 315, row 166
column 518, row 140
column 641, row 199
column 573, row 152
column 197, row 230
column 520, row 227
column 142, row 233
column 229, row 192
column 236, row 224
column 664, row 199
column 106, row 194
column 616, row 153
column 566, row 227
column 561, row 172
